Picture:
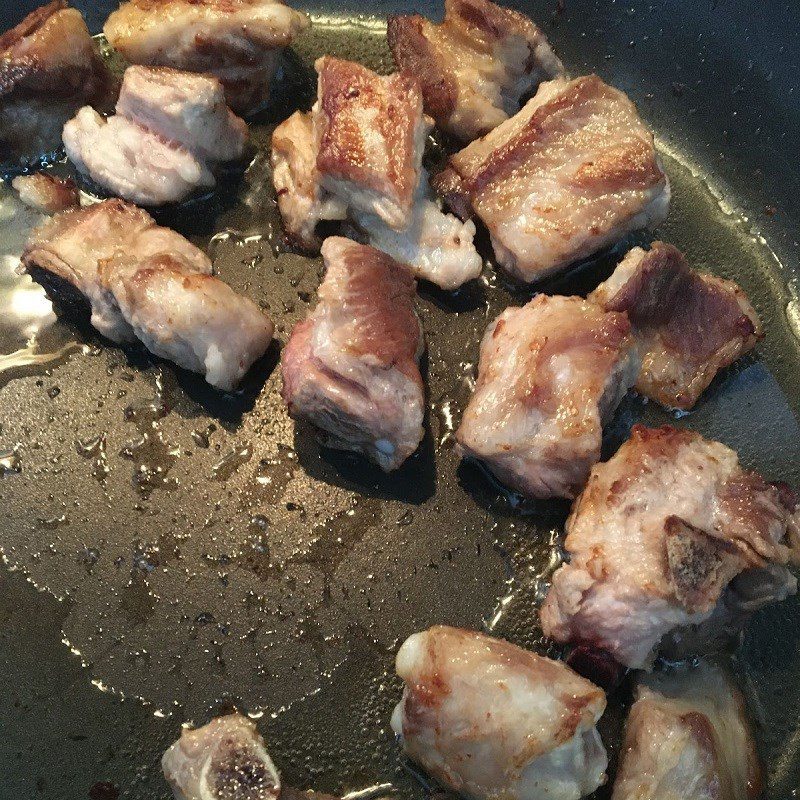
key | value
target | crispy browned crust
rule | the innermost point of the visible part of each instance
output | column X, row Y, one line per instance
column 30, row 24
column 488, row 22
column 46, row 192
column 665, row 298
column 414, row 53
column 454, row 190
column 347, row 88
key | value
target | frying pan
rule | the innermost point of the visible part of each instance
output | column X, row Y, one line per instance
column 194, row 551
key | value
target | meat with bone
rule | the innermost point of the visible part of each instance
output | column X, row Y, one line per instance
column 574, row 171
column 72, row 245
column 550, row 375
column 475, row 67
column 236, row 40
column 303, row 203
column 48, row 69
column 169, row 129
column 670, row 533
column 46, row 193
column 351, row 368
column 687, row 738
column 146, row 281
column 360, row 154
column 224, row 760
column 688, row 325
column 488, row 719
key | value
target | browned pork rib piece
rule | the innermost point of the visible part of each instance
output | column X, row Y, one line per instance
column 688, row 738
column 46, row 193
column 370, row 133
column 170, row 127
column 303, row 203
column 475, row 67
column 670, row 533
column 224, row 760
column 236, row 40
column 550, row 375
column 688, row 326
column 360, row 156
column 352, row 367
column 148, row 282
column 574, row 171
column 489, row 720
column 48, row 68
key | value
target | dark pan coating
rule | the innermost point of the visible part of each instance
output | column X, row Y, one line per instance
column 256, row 602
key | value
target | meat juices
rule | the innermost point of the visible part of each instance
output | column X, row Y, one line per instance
column 351, row 368
column 46, row 193
column 476, row 66
column 359, row 154
column 687, row 738
column 170, row 128
column 670, row 533
column 224, row 759
column 573, row 172
column 148, row 282
column 488, row 719
column 550, row 375
column 48, row 68
column 238, row 41
column 688, row 326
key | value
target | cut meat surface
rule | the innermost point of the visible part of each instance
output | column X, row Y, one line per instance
column 488, row 719
column 169, row 128
column 224, row 760
column 670, row 533
column 573, row 172
column 550, row 375
column 46, row 193
column 303, row 203
column 236, row 40
column 475, row 67
column 132, row 162
column 71, row 246
column 184, row 108
column 688, row 738
column 148, row 282
column 370, row 133
column 190, row 318
column 688, row 325
column 352, row 368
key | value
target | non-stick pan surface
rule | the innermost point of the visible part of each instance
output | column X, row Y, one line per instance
column 195, row 551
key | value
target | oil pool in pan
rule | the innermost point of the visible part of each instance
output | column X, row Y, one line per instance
column 204, row 553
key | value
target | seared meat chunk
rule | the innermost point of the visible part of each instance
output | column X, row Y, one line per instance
column 46, row 193
column 351, row 368
column 303, row 203
column 475, row 67
column 146, row 281
column 574, row 171
column 671, row 532
column 191, row 318
column 71, row 246
column 224, row 760
column 184, row 108
column 359, row 156
column 370, row 133
column 48, row 69
column 688, row 326
column 132, row 162
column 488, row 719
column 688, row 738
column 169, row 127
column 236, row 40
column 550, row 375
